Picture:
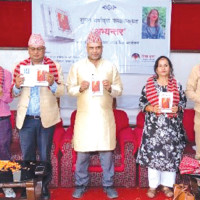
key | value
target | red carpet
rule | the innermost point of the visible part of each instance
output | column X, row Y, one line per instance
column 98, row 194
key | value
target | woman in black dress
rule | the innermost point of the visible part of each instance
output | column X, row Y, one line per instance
column 163, row 139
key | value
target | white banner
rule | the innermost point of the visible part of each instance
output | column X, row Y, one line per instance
column 134, row 32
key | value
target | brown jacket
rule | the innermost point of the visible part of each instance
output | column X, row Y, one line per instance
column 49, row 110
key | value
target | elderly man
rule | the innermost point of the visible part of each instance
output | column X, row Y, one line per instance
column 5, row 124
column 38, row 111
column 95, row 82
column 193, row 93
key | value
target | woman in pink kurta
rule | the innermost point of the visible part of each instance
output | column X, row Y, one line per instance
column 5, row 123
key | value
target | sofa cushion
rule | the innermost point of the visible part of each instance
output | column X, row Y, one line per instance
column 121, row 119
column 123, row 133
column 95, row 165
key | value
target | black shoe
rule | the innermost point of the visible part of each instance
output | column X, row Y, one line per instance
column 45, row 193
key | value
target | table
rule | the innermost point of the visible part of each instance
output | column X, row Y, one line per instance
column 30, row 176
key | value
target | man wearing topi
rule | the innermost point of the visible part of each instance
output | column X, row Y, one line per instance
column 95, row 82
column 37, row 110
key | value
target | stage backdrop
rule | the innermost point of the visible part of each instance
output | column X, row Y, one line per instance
column 65, row 26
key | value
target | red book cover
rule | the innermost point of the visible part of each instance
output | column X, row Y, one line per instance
column 63, row 21
column 95, row 86
column 165, row 102
column 40, row 75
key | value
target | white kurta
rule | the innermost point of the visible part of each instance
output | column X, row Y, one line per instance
column 95, row 128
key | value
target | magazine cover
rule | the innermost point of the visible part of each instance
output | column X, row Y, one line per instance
column 166, row 101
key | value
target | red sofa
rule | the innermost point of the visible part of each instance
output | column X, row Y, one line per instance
column 125, row 165
column 17, row 155
column 188, row 123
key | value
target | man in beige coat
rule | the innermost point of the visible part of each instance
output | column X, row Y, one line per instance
column 37, row 110
column 95, row 82
column 193, row 93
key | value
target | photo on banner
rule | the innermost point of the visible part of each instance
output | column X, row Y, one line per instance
column 134, row 33
column 153, row 23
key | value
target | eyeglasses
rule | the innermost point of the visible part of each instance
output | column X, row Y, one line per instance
column 36, row 49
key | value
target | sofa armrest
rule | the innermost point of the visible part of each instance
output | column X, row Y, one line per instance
column 124, row 136
column 137, row 134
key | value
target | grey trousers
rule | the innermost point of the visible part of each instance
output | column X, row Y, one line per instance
column 82, row 163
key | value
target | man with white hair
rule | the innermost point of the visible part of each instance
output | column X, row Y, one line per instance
column 38, row 111
column 95, row 82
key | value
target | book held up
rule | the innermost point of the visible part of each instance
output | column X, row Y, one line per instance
column 166, row 101
column 34, row 75
column 96, row 86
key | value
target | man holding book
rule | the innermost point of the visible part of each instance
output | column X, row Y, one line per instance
column 95, row 82
column 37, row 111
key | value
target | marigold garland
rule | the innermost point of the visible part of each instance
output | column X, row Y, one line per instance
column 6, row 165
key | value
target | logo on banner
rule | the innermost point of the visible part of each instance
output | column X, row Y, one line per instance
column 148, row 58
column 109, row 7
column 136, row 56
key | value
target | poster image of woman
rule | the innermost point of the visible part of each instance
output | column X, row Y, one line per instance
column 151, row 28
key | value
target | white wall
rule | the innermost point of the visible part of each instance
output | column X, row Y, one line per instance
column 132, row 83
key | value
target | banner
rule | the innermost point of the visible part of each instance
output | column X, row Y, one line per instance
column 134, row 33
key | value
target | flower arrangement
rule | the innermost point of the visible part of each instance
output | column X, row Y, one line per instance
column 6, row 165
